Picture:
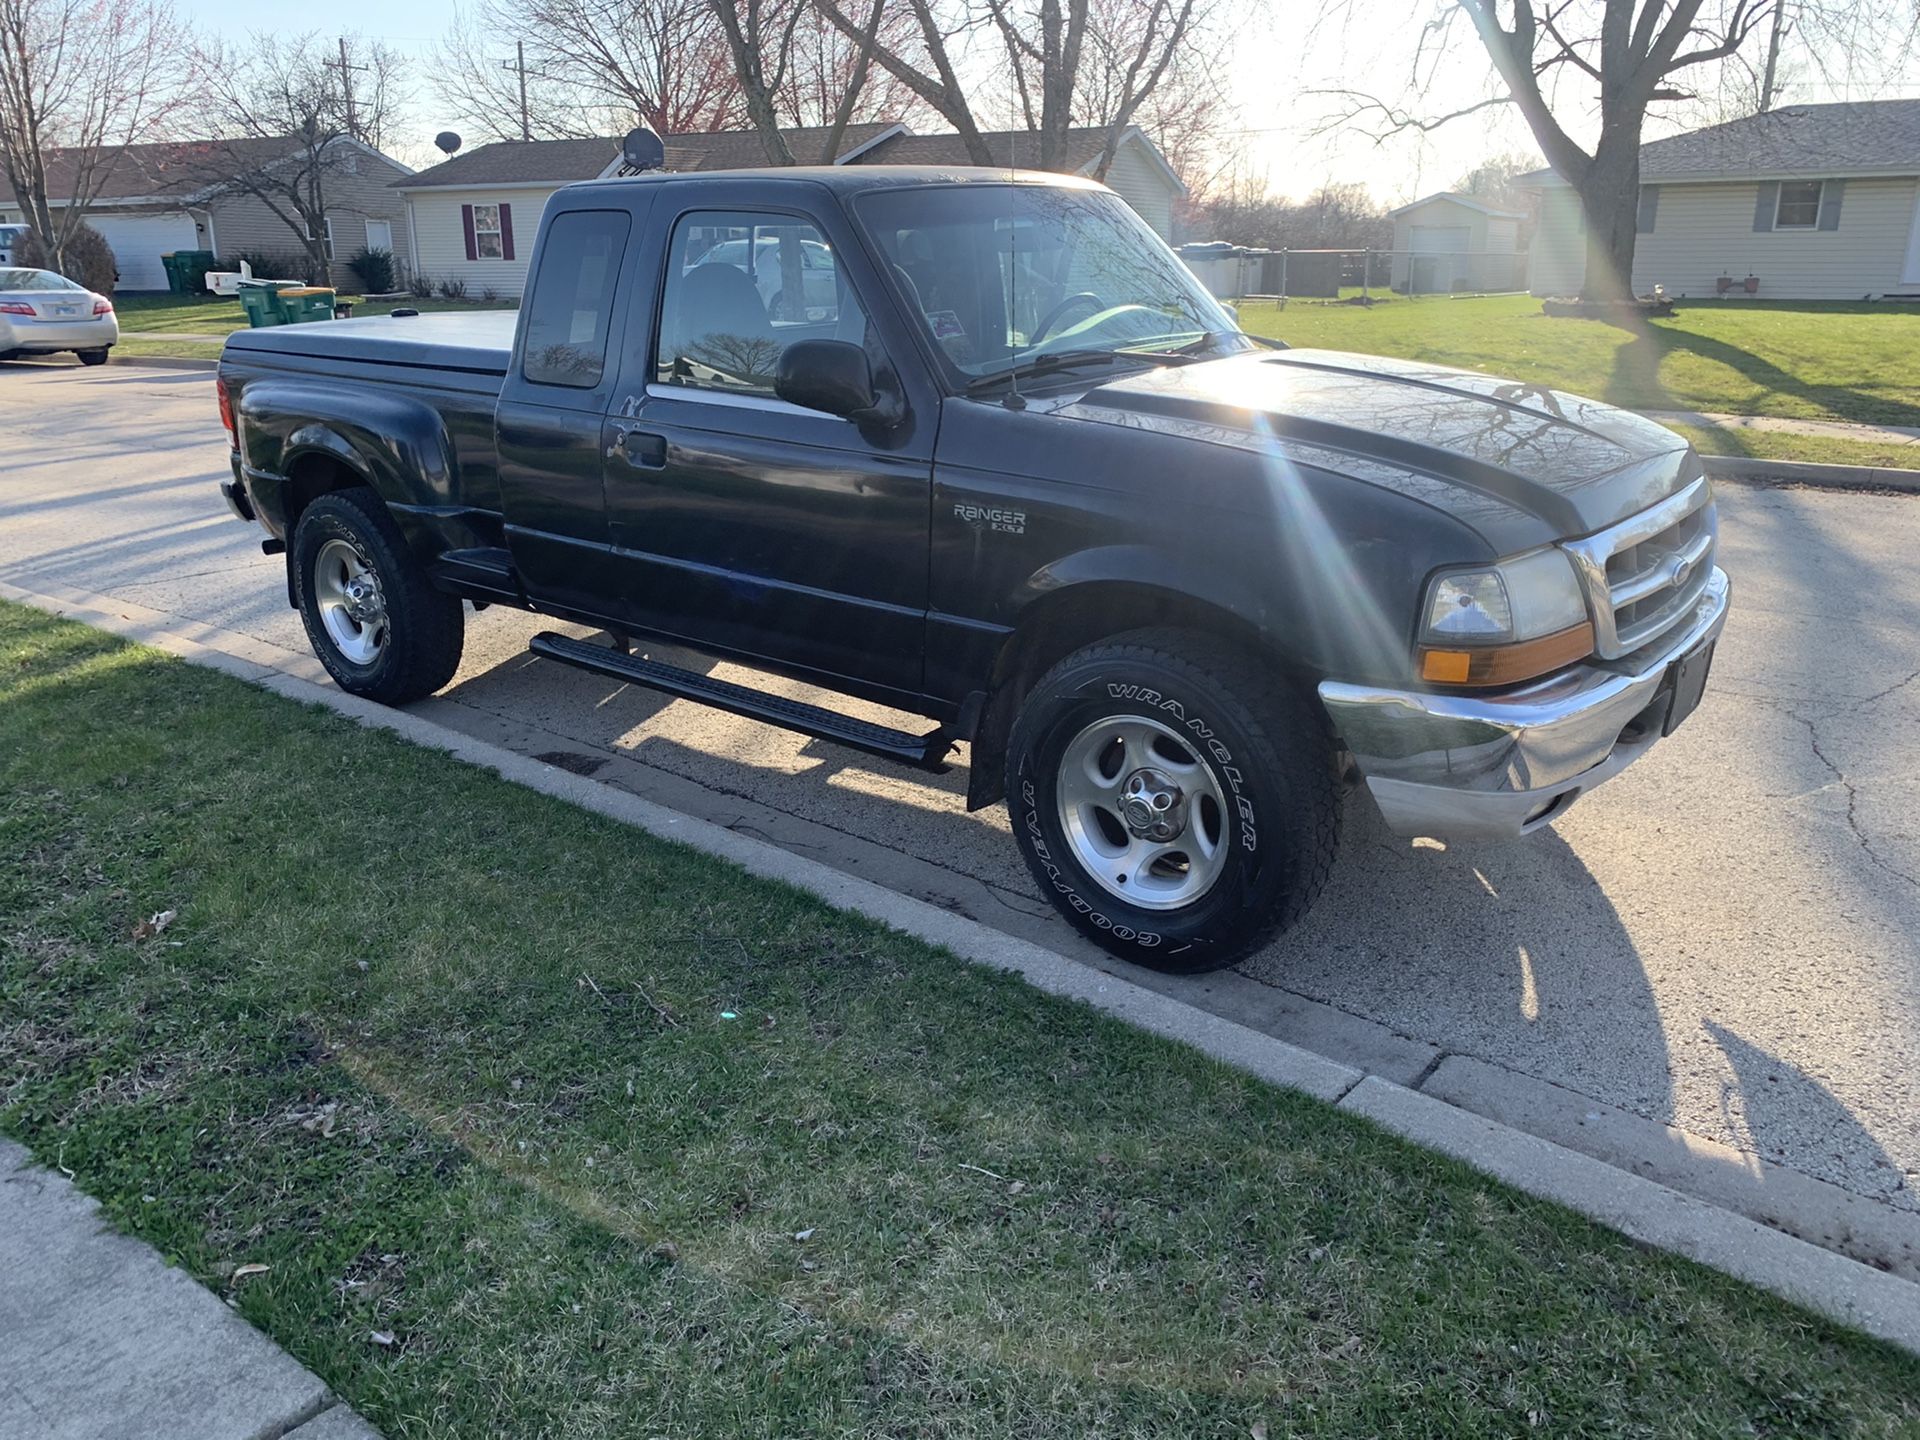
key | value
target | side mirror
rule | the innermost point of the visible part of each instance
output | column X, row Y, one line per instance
column 833, row 376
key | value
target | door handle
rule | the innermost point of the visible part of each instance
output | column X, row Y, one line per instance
column 643, row 450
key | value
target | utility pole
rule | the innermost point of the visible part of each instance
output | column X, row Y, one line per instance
column 1773, row 54
column 519, row 63
column 346, row 86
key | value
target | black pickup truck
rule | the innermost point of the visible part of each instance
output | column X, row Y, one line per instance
column 975, row 445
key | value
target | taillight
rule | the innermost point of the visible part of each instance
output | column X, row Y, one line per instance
column 102, row 307
column 226, row 409
column 15, row 307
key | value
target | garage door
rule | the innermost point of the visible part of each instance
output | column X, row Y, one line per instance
column 138, row 242
column 1438, row 239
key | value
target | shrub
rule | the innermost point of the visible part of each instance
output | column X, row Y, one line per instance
column 374, row 270
column 489, row 296
column 89, row 258
column 422, row 286
column 453, row 288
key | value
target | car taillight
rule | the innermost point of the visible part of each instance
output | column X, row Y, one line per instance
column 15, row 307
column 226, row 409
column 102, row 307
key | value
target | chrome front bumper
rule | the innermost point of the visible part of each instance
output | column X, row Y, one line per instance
column 1470, row 767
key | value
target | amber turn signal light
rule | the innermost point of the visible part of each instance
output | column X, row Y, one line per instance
column 1506, row 664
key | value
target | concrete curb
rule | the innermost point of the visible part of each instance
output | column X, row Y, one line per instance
column 164, row 362
column 1831, row 1284
column 1750, row 470
column 1856, row 1294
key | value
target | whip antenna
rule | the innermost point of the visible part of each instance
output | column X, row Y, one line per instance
column 1015, row 400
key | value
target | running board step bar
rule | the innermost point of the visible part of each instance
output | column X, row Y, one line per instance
column 924, row 752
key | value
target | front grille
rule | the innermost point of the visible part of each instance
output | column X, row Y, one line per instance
column 1645, row 575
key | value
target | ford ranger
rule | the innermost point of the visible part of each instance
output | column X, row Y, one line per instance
column 976, row 446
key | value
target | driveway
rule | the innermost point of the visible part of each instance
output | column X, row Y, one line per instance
column 1726, row 939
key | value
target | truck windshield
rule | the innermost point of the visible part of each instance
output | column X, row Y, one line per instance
column 1002, row 275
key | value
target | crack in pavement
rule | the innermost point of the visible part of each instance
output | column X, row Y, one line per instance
column 1853, row 791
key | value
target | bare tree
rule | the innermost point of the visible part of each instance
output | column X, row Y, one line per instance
column 286, row 119
column 1493, row 180
column 84, row 80
column 1560, row 62
column 797, row 69
column 594, row 68
column 1096, row 60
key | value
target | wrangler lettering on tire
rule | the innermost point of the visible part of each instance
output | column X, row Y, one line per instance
column 1175, row 801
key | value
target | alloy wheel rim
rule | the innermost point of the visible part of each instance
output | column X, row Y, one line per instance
column 1143, row 813
column 353, row 607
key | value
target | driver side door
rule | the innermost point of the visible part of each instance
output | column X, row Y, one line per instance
column 740, row 522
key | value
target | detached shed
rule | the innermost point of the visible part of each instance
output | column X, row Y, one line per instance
column 1447, row 242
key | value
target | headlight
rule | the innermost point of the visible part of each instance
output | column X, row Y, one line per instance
column 1495, row 624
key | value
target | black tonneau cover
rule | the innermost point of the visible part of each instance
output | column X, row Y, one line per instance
column 477, row 341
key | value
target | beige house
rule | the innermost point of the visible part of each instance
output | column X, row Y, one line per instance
column 165, row 197
column 473, row 217
column 1807, row 202
column 1449, row 242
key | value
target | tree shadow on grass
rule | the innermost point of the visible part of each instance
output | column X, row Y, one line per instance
column 1636, row 382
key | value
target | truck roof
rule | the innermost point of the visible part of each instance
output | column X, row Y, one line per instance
column 845, row 180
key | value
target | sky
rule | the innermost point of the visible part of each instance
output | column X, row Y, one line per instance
column 1283, row 57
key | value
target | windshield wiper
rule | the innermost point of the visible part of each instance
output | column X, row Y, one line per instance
column 1047, row 364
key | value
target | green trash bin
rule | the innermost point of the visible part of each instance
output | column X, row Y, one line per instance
column 303, row 303
column 176, row 275
column 261, row 302
column 193, row 266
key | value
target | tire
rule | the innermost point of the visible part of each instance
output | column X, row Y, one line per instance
column 404, row 642
column 1244, row 763
column 92, row 357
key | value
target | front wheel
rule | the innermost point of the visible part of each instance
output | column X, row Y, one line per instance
column 1175, row 801
column 371, row 614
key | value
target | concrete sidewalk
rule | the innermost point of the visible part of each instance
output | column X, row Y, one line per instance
column 1786, row 425
column 100, row 1339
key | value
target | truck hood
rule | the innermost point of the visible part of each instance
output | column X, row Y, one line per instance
column 1511, row 460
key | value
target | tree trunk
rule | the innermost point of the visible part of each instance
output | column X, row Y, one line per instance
column 1610, row 200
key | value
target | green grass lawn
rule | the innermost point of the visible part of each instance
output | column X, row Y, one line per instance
column 1814, row 360
column 546, row 1127
column 158, row 315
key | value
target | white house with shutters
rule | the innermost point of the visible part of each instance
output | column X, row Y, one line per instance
column 473, row 217
column 1807, row 202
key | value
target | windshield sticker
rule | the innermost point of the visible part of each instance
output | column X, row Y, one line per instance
column 946, row 325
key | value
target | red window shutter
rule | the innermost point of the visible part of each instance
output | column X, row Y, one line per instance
column 506, row 232
column 466, row 223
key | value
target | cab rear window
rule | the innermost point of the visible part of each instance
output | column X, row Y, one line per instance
column 574, row 297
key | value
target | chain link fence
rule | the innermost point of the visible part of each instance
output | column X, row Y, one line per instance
column 1237, row 273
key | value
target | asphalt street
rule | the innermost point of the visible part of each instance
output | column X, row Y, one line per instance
column 1726, row 939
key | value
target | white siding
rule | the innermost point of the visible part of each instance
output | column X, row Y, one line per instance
column 440, row 236
column 1143, row 185
column 1702, row 232
column 1503, row 236
column 1557, row 257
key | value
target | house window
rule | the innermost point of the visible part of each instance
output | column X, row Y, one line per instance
column 326, row 225
column 1799, row 207
column 487, row 244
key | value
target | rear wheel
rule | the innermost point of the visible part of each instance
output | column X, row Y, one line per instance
column 371, row 614
column 1173, row 799
column 92, row 357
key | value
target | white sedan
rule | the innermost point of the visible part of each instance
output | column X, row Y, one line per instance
column 42, row 313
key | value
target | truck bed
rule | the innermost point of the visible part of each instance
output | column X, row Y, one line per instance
column 476, row 342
